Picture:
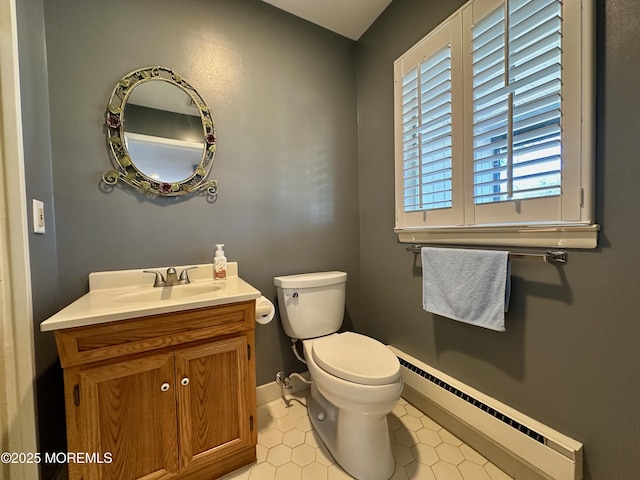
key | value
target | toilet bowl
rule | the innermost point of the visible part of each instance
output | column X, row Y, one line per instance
column 350, row 417
column 356, row 380
column 365, row 379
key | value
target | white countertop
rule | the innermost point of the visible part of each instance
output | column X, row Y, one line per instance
column 107, row 291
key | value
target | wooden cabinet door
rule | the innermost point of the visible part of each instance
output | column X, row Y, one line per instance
column 129, row 409
column 214, row 406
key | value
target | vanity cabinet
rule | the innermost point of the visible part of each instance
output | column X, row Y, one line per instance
column 160, row 397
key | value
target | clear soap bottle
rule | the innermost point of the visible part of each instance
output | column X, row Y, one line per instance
column 219, row 263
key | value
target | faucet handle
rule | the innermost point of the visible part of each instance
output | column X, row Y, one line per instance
column 159, row 280
column 184, row 275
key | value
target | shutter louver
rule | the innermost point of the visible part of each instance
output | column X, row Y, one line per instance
column 517, row 105
column 426, row 130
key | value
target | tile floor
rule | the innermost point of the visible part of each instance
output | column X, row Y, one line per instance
column 289, row 449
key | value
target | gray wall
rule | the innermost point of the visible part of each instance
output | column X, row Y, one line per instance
column 282, row 93
column 569, row 357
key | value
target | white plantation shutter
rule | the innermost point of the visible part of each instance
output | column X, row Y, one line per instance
column 428, row 98
column 426, row 141
column 517, row 108
column 494, row 127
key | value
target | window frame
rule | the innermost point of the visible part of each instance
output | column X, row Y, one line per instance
column 574, row 227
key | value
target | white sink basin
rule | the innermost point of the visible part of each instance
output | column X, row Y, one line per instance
column 156, row 294
column 126, row 294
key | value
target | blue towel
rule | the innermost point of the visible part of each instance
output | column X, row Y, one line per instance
column 472, row 286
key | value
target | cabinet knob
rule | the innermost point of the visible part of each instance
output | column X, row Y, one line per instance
column 165, row 386
column 185, row 381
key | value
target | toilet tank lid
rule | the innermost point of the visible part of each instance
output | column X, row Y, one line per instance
column 308, row 280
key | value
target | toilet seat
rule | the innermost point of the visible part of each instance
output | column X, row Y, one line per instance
column 356, row 358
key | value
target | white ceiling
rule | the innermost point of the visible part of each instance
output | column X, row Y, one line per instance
column 349, row 18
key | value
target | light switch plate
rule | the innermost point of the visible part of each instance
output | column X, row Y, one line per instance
column 38, row 216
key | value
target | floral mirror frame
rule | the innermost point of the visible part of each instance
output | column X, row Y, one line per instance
column 126, row 170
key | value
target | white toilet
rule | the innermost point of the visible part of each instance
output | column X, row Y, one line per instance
column 356, row 379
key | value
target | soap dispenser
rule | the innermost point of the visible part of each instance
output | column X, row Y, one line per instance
column 219, row 263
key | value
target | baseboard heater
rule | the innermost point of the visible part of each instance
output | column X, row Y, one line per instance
column 547, row 452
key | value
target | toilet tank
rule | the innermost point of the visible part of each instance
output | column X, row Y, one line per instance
column 311, row 304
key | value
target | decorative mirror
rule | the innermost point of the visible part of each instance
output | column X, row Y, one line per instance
column 161, row 134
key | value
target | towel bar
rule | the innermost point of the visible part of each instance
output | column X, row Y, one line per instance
column 551, row 256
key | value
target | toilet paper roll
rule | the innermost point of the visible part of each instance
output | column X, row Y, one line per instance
column 265, row 310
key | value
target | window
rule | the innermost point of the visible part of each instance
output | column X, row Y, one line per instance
column 494, row 120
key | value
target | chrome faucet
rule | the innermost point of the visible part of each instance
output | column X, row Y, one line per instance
column 172, row 277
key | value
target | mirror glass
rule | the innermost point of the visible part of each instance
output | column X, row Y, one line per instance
column 161, row 134
column 163, row 131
